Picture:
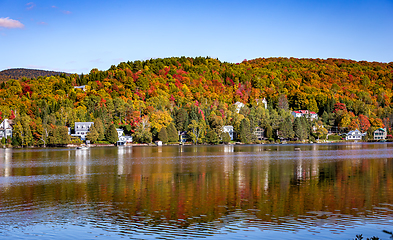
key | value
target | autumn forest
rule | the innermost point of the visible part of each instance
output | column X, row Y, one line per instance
column 154, row 99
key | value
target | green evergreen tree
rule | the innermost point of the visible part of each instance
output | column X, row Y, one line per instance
column 181, row 119
column 111, row 134
column 63, row 136
column 163, row 136
column 18, row 135
column 286, row 129
column 300, row 128
column 245, row 132
column 99, row 126
column 225, row 137
column 173, row 135
column 269, row 132
column 92, row 135
column 283, row 102
column 211, row 137
column 58, row 135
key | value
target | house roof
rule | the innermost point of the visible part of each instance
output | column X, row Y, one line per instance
column 304, row 112
column 381, row 129
column 355, row 132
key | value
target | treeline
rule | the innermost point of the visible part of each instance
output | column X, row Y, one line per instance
column 197, row 95
column 19, row 73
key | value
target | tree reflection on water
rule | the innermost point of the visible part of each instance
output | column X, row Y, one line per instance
column 199, row 191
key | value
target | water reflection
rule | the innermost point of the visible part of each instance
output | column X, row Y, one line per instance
column 177, row 192
column 82, row 157
column 5, row 167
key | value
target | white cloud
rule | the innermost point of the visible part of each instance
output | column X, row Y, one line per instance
column 10, row 23
column 67, row 12
column 98, row 60
column 30, row 5
column 118, row 59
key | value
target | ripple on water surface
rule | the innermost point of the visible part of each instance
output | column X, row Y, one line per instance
column 176, row 193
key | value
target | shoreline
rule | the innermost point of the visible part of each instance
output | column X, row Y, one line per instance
column 190, row 144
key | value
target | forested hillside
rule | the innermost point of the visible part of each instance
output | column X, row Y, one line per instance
column 18, row 73
column 154, row 98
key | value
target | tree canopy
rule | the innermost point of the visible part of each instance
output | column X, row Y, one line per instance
column 197, row 95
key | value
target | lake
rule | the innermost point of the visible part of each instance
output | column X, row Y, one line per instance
column 321, row 191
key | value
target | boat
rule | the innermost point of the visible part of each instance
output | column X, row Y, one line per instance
column 82, row 147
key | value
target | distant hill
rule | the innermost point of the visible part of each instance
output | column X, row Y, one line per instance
column 18, row 73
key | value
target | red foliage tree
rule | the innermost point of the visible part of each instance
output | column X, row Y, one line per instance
column 364, row 123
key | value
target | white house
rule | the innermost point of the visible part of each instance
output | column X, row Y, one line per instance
column 229, row 129
column 239, row 106
column 354, row 135
column 259, row 133
column 183, row 136
column 81, row 129
column 380, row 134
column 123, row 138
column 119, row 132
column 6, row 128
column 126, row 139
column 306, row 113
column 83, row 87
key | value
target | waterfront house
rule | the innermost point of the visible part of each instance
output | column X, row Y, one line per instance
column 6, row 128
column 119, row 132
column 126, row 139
column 123, row 140
column 183, row 136
column 229, row 129
column 380, row 134
column 259, row 133
column 81, row 129
column 354, row 135
column 305, row 113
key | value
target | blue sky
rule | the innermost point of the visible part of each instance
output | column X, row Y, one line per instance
column 76, row 36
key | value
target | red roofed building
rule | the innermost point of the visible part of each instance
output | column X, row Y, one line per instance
column 306, row 113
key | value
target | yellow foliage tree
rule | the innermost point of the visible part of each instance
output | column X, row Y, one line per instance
column 160, row 119
column 345, row 121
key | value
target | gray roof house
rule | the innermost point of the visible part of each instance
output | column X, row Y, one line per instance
column 83, row 87
column 6, row 128
column 119, row 132
column 229, row 129
column 81, row 129
column 354, row 135
column 380, row 134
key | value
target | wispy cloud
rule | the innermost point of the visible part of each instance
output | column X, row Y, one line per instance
column 30, row 5
column 10, row 23
column 118, row 60
column 67, row 12
column 54, row 6
column 98, row 60
column 42, row 23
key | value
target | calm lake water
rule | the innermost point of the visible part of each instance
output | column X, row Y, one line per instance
column 213, row 192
